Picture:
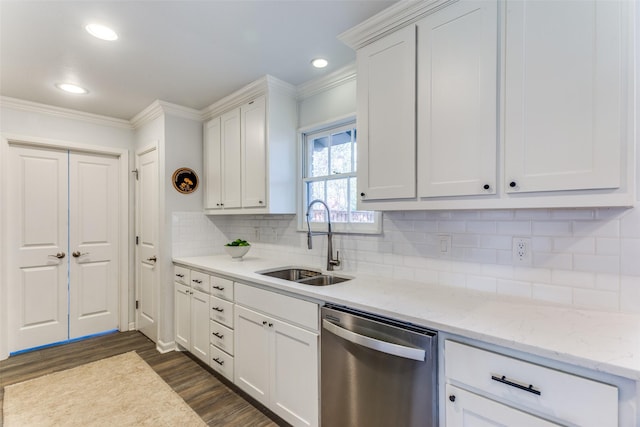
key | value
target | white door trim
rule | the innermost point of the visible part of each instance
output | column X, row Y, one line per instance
column 123, row 222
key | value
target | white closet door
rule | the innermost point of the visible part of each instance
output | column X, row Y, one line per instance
column 37, row 258
column 93, row 239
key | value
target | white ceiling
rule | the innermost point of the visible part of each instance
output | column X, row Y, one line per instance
column 190, row 53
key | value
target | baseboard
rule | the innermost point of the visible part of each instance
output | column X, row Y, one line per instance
column 165, row 347
column 132, row 326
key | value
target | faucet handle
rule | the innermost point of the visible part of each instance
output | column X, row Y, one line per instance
column 335, row 261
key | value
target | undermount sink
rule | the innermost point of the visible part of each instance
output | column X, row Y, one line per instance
column 323, row 280
column 304, row 276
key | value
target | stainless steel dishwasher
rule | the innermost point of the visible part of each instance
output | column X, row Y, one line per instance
column 376, row 371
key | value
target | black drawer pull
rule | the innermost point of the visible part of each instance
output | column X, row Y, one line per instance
column 180, row 275
column 218, row 309
column 218, row 335
column 220, row 288
column 218, row 361
column 197, row 281
column 502, row 379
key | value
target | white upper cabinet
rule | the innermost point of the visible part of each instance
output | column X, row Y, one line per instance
column 386, row 117
column 254, row 144
column 250, row 151
column 500, row 104
column 564, row 95
column 457, row 69
column 230, row 155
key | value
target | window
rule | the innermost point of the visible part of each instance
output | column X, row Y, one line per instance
column 329, row 174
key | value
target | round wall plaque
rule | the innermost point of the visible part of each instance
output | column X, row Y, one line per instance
column 185, row 180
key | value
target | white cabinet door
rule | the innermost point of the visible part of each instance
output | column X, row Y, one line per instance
column 230, row 154
column 564, row 91
column 254, row 153
column 457, row 75
column 251, row 371
column 294, row 374
column 386, row 117
column 213, row 165
column 183, row 315
column 465, row 409
column 200, row 325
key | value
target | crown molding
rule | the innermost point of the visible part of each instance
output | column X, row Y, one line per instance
column 245, row 94
column 67, row 113
column 390, row 19
column 324, row 83
column 158, row 108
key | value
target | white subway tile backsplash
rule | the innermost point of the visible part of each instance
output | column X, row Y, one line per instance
column 583, row 245
column 596, row 299
column 550, row 293
column 514, row 288
column 585, row 257
column 576, row 279
column 597, row 263
column 551, row 228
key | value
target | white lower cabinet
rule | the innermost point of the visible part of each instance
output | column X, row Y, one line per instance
column 276, row 362
column 192, row 320
column 466, row 409
column 485, row 388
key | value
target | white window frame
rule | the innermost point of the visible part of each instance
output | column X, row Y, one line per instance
column 337, row 227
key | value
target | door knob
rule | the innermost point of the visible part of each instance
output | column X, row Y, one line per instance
column 152, row 259
column 77, row 254
column 59, row 255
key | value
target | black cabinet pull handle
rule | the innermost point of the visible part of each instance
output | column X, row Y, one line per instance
column 196, row 281
column 452, row 397
column 486, row 186
column 218, row 361
column 180, row 275
column 218, row 288
column 362, row 194
column 503, row 379
column 513, row 184
column 218, row 335
column 218, row 309
column 264, row 322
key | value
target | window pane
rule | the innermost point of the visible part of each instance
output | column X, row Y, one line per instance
column 337, row 199
column 315, row 190
column 319, row 157
column 341, row 152
column 357, row 216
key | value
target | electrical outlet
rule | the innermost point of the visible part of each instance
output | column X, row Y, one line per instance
column 521, row 250
column 445, row 243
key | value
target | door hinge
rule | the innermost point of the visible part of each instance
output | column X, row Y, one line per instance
column 137, row 239
column 137, row 304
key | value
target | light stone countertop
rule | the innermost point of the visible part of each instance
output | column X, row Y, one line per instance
column 601, row 341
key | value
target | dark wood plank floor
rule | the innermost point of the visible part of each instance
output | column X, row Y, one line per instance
column 217, row 403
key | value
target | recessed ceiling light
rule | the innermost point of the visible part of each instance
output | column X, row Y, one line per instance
column 319, row 62
column 71, row 88
column 101, row 32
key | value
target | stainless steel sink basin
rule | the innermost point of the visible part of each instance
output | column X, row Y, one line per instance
column 292, row 274
column 304, row 276
column 323, row 280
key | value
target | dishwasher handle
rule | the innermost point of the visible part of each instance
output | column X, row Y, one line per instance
column 374, row 344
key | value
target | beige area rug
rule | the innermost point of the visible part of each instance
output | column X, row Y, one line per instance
column 119, row 391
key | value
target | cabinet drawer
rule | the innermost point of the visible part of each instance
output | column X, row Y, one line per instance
column 222, row 311
column 181, row 275
column 200, row 281
column 221, row 336
column 221, row 362
column 301, row 312
column 565, row 396
column 222, row 288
